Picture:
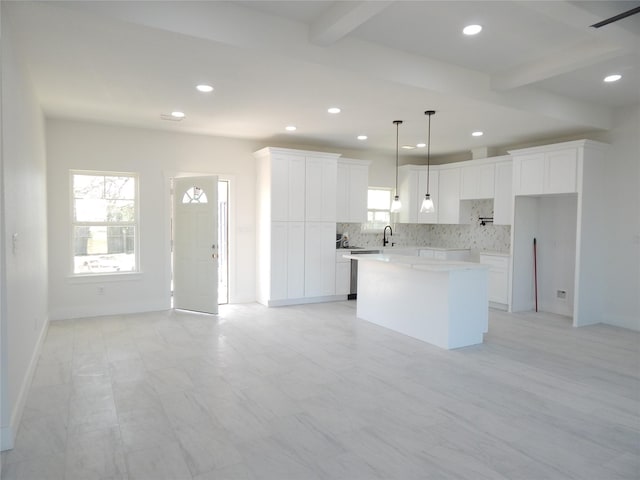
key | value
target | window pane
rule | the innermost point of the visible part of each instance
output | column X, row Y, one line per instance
column 88, row 186
column 119, row 188
column 104, row 249
column 379, row 199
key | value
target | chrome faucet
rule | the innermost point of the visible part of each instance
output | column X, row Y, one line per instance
column 384, row 235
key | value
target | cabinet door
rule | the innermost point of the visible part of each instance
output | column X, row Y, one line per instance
column 295, row 260
column 503, row 200
column 449, row 196
column 320, row 204
column 486, row 181
column 469, row 182
column 433, row 191
column 287, row 188
column 279, row 264
column 297, row 170
column 358, row 187
column 530, row 173
column 561, row 171
column 342, row 193
column 320, row 261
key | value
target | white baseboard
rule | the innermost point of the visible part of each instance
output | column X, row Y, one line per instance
column 8, row 433
column 303, row 301
column 83, row 311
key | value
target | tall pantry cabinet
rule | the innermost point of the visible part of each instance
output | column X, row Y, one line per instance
column 296, row 225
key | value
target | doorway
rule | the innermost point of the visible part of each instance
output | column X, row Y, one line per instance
column 199, row 243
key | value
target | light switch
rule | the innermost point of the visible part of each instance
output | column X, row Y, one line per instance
column 14, row 243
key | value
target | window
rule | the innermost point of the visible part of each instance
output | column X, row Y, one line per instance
column 378, row 206
column 104, row 222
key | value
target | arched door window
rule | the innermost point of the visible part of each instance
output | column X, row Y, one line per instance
column 194, row 195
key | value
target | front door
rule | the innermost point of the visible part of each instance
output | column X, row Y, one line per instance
column 195, row 244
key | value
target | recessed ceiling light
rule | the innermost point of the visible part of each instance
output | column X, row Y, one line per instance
column 408, row 147
column 362, row 137
column 204, row 88
column 472, row 29
column 421, row 145
column 612, row 78
column 177, row 114
column 290, row 128
column 333, row 110
column 477, row 134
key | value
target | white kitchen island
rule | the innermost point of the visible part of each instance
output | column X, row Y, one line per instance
column 441, row 302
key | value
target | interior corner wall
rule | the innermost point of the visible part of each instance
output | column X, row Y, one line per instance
column 621, row 193
column 25, row 309
column 155, row 155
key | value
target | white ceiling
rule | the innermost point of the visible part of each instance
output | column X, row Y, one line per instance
column 534, row 73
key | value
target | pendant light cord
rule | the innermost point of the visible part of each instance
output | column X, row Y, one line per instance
column 397, row 139
column 429, row 113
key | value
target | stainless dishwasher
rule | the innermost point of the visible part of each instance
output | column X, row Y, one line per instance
column 353, row 285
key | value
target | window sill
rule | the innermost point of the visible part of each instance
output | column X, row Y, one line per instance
column 105, row 277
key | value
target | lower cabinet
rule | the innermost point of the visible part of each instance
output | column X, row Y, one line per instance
column 498, row 278
column 319, row 259
column 287, row 260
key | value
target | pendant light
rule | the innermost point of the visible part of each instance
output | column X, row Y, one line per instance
column 427, row 204
column 396, row 205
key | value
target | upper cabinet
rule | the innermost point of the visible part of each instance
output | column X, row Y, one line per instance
column 352, row 187
column 477, row 181
column 545, row 170
column 503, row 199
column 287, row 187
column 412, row 187
column 320, row 189
column 449, row 195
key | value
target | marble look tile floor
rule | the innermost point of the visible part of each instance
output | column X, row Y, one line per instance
column 312, row 393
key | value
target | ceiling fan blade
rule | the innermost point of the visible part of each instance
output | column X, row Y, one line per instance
column 615, row 18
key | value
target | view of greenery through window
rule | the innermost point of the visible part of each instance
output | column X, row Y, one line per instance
column 104, row 223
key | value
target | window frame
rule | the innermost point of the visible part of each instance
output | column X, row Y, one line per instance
column 368, row 227
column 135, row 223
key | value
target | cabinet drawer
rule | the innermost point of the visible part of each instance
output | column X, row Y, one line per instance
column 494, row 261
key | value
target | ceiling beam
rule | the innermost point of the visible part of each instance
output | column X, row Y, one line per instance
column 342, row 18
column 562, row 61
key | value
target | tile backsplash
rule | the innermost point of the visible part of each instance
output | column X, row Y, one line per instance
column 471, row 234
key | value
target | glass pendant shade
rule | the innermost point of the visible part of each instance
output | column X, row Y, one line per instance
column 396, row 205
column 427, row 205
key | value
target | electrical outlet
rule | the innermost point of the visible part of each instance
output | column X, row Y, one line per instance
column 561, row 294
column 100, row 291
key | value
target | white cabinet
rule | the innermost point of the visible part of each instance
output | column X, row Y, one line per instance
column 545, row 172
column 287, row 187
column 503, row 199
column 287, row 258
column 351, row 192
column 498, row 277
column 412, row 186
column 477, row 181
column 296, row 209
column 433, row 192
column 449, row 195
column 319, row 259
column 320, row 189
column 343, row 273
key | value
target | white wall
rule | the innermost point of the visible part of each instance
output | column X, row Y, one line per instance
column 24, row 273
column 155, row 156
column 621, row 193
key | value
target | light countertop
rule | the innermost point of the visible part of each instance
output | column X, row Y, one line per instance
column 418, row 263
